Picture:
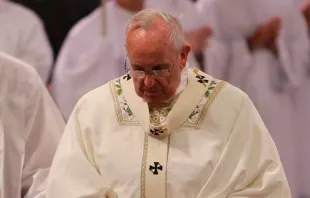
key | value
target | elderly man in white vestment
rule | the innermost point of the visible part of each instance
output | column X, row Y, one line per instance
column 22, row 35
column 94, row 51
column 165, row 130
column 30, row 128
column 262, row 47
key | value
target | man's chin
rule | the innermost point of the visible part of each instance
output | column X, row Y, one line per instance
column 150, row 100
column 153, row 99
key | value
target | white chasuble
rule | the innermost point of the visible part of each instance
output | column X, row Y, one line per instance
column 210, row 143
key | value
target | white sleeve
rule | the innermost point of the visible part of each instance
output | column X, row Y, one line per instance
column 74, row 173
column 249, row 165
column 230, row 61
column 223, row 55
column 46, row 126
column 235, row 63
column 294, row 49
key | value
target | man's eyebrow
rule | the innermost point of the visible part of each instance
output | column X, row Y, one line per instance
column 138, row 66
column 158, row 65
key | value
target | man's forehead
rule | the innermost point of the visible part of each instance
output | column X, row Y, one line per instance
column 150, row 57
column 147, row 41
column 149, row 35
column 157, row 30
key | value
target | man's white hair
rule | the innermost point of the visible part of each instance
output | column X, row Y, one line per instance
column 145, row 18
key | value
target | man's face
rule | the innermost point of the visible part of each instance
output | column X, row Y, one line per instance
column 151, row 52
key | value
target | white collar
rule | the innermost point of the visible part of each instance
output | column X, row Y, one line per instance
column 184, row 79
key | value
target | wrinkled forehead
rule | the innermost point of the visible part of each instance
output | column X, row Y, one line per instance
column 149, row 43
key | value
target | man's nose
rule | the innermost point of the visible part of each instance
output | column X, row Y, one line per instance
column 149, row 81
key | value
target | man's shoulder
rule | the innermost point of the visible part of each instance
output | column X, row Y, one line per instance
column 227, row 92
column 220, row 108
column 232, row 95
column 226, row 99
column 220, row 103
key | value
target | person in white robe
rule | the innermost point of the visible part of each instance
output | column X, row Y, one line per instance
column 94, row 53
column 303, row 99
column 261, row 46
column 22, row 35
column 165, row 130
column 30, row 128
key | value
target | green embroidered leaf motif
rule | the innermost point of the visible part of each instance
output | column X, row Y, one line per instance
column 207, row 93
column 119, row 92
column 118, row 86
column 211, row 88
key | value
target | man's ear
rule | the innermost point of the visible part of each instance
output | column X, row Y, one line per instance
column 184, row 55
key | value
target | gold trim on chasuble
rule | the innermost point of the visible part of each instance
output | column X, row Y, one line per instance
column 123, row 112
column 199, row 94
column 154, row 167
column 194, row 121
column 213, row 87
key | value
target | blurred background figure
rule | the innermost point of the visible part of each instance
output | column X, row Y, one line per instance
column 22, row 35
column 68, row 13
column 262, row 47
column 94, row 52
column 30, row 128
column 59, row 16
column 303, row 99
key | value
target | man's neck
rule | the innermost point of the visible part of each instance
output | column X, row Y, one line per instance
column 131, row 6
column 166, row 103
